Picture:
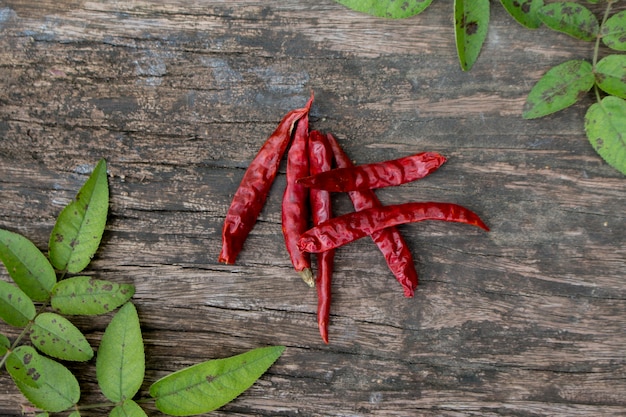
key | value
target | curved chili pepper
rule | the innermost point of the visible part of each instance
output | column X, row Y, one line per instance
column 350, row 227
column 295, row 211
column 376, row 175
column 320, row 159
column 250, row 197
column 390, row 242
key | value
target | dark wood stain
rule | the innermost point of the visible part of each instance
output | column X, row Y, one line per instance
column 527, row 320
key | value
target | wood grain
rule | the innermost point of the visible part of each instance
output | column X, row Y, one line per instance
column 527, row 320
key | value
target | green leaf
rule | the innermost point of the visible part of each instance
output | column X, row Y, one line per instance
column 524, row 11
column 89, row 296
column 26, row 265
column 210, row 385
column 5, row 344
column 120, row 363
column 128, row 408
column 471, row 19
column 614, row 31
column 79, row 228
column 570, row 18
column 559, row 88
column 611, row 75
column 16, row 309
column 74, row 414
column 388, row 8
column 48, row 384
column 605, row 125
column 24, row 365
column 56, row 336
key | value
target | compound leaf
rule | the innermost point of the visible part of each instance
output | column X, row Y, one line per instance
column 89, row 296
column 120, row 364
column 79, row 228
column 524, row 11
column 614, row 31
column 570, row 18
column 611, row 75
column 605, row 125
column 471, row 19
column 48, row 384
column 387, row 8
column 559, row 88
column 26, row 265
column 128, row 408
column 56, row 336
column 16, row 309
column 212, row 384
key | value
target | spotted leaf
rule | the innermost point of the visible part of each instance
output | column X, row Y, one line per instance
column 559, row 88
column 605, row 125
column 471, row 19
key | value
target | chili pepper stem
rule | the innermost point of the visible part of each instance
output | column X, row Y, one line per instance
column 307, row 277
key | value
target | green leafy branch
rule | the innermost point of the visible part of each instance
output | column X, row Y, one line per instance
column 41, row 296
column 561, row 86
column 567, row 83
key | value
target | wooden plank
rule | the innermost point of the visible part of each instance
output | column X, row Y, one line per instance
column 178, row 97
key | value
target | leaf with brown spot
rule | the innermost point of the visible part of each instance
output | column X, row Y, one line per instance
column 611, row 75
column 78, row 230
column 471, row 19
column 45, row 383
column 570, row 18
column 559, row 88
column 56, row 336
column 605, row 126
column 88, row 296
column 614, row 31
column 524, row 11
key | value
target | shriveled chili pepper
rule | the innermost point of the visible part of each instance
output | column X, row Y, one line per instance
column 349, row 227
column 320, row 159
column 376, row 175
column 250, row 197
column 390, row 242
column 295, row 208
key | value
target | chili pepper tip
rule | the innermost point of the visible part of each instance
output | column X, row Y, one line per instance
column 307, row 277
column 323, row 331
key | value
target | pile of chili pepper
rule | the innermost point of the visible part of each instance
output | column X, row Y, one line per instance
column 317, row 166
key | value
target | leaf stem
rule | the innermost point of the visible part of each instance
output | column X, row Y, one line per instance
column 596, row 49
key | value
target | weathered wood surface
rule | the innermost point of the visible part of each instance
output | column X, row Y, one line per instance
column 527, row 320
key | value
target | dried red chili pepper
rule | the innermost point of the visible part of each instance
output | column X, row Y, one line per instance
column 350, row 227
column 390, row 242
column 376, row 175
column 295, row 210
column 320, row 159
column 250, row 197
